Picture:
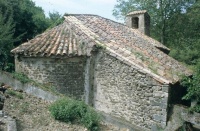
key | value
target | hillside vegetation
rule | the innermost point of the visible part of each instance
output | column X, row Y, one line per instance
column 32, row 114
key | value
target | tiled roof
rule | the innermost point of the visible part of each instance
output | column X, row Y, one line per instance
column 137, row 12
column 79, row 34
column 60, row 40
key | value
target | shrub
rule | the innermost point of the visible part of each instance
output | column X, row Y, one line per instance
column 70, row 110
column 193, row 88
column 91, row 119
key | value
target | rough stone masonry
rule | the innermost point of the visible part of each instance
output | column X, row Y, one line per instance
column 106, row 83
column 66, row 75
column 125, row 92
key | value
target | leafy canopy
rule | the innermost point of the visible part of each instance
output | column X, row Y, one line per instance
column 160, row 11
column 193, row 88
column 176, row 24
column 20, row 21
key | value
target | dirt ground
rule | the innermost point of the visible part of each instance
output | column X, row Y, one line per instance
column 32, row 114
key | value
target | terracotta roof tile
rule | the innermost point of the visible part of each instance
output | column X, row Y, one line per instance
column 80, row 33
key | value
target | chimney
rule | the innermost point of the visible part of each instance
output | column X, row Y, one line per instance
column 139, row 20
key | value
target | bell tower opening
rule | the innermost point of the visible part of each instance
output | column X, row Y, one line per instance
column 135, row 22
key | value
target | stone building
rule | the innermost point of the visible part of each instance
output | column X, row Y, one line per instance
column 118, row 70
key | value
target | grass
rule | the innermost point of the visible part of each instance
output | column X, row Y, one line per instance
column 24, row 108
column 14, row 93
column 24, row 79
column 21, row 77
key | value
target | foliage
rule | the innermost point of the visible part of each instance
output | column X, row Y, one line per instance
column 55, row 19
column 192, row 85
column 44, row 86
column 30, row 19
column 70, row 110
column 20, row 21
column 193, row 88
column 196, row 108
column 90, row 119
column 6, row 37
column 161, row 11
column 185, row 38
column 21, row 77
column 175, row 23
column 14, row 93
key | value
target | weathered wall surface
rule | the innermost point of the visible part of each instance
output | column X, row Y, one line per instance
column 8, row 79
column 106, row 83
column 67, row 75
column 128, row 94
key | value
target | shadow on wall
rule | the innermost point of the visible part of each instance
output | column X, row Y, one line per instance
column 177, row 93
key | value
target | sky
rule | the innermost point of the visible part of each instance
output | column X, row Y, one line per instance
column 98, row 7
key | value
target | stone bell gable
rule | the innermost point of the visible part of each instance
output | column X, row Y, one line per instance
column 139, row 20
column 118, row 70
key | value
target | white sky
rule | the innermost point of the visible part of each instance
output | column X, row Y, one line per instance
column 98, row 7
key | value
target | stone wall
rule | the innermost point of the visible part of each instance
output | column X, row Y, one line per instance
column 111, row 86
column 66, row 75
column 29, row 88
column 128, row 94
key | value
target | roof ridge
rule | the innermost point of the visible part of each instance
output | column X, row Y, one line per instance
column 66, row 14
column 93, row 36
column 80, row 35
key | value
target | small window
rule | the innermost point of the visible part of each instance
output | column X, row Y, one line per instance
column 135, row 22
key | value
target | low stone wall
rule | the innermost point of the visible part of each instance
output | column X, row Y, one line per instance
column 128, row 94
column 28, row 88
column 66, row 75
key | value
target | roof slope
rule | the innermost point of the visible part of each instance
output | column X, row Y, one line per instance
column 80, row 33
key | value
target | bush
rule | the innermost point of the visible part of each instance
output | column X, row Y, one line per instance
column 69, row 110
column 91, row 120
column 193, row 88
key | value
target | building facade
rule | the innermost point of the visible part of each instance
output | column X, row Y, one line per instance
column 118, row 70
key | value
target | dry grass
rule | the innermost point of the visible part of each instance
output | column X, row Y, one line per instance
column 32, row 114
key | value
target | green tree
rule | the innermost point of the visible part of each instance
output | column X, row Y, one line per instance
column 175, row 23
column 55, row 19
column 193, row 88
column 184, row 37
column 30, row 19
column 6, row 36
column 21, row 20
column 160, row 11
